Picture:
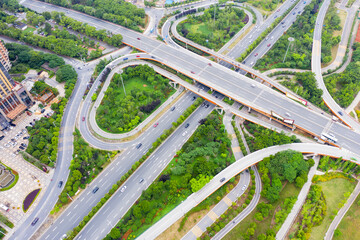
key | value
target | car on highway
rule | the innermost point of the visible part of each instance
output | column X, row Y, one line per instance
column 139, row 145
column 223, row 179
column 35, row 221
column 95, row 189
column 184, row 133
column 83, row 119
column 193, row 98
column 256, row 54
column 207, row 105
column 253, row 85
column 294, row 13
column 123, row 189
column 269, row 45
column 288, row 114
column 267, row 38
column 243, row 188
column 60, row 184
column 42, row 110
column 155, row 125
column 138, row 38
column 304, row 2
column 137, row 56
column 210, row 64
column 141, row 180
column 192, row 72
column 187, row 125
column 339, row 112
column 252, row 63
column 172, row 109
column 275, row 16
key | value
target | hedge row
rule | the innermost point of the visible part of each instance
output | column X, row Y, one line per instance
column 238, row 136
column 135, row 166
column 264, row 34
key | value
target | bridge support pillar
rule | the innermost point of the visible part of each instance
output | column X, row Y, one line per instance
column 293, row 128
column 173, row 84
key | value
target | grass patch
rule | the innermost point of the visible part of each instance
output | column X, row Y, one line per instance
column 334, row 191
column 348, row 227
column 289, row 190
column 29, row 29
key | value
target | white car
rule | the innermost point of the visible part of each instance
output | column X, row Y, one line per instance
column 243, row 188
column 123, row 189
column 6, row 145
column 16, row 137
column 184, row 133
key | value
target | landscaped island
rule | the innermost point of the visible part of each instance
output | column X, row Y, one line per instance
column 145, row 91
column 204, row 30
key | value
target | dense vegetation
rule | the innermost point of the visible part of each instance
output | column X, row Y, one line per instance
column 204, row 155
column 326, row 163
column 264, row 137
column 305, row 85
column 264, row 4
column 84, row 28
column 299, row 54
column 288, row 166
column 279, row 173
column 331, row 23
column 23, row 58
column 344, row 86
column 203, row 30
column 145, row 90
column 312, row 213
column 44, row 135
column 119, row 12
column 87, row 163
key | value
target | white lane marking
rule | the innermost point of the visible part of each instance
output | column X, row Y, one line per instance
column 87, row 193
column 82, row 200
column 55, row 228
column 47, row 236
column 106, row 174
column 100, row 180
column 117, row 163
column 76, row 206
column 111, row 168
column 68, row 214
column 61, row 221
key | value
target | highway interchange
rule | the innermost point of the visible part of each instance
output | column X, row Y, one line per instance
column 217, row 77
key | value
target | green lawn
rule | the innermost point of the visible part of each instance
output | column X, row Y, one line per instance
column 349, row 224
column 29, row 29
column 334, row 193
column 288, row 191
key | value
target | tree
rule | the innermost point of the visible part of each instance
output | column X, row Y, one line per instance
column 66, row 73
column 197, row 184
column 115, row 233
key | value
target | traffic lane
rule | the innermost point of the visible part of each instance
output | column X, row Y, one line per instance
column 346, row 137
column 149, row 171
column 122, row 164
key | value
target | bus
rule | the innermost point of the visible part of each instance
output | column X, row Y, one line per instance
column 328, row 137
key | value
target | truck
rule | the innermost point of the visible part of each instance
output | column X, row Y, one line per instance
column 4, row 207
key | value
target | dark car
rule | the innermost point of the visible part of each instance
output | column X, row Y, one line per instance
column 60, row 184
column 42, row 110
column 141, row 180
column 187, row 125
column 193, row 98
column 95, row 189
column 27, row 137
column 139, row 145
column 138, row 38
column 223, row 179
column 23, row 144
column 83, row 118
column 2, row 137
column 21, row 147
column 172, row 109
column 207, row 105
column 340, row 113
column 35, row 221
column 13, row 124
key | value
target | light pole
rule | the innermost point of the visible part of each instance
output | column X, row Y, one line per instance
column 122, row 82
column 290, row 40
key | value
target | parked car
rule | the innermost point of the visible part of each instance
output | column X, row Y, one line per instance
column 2, row 137
column 27, row 137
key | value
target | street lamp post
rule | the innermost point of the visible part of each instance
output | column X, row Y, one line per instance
column 122, row 83
column 290, row 40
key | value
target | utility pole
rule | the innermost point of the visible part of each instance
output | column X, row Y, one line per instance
column 122, row 83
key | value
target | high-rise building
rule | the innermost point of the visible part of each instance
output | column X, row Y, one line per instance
column 4, row 57
column 14, row 98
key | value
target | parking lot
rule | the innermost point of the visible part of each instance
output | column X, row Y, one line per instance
column 30, row 177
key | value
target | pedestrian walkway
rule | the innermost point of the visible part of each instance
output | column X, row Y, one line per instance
column 300, row 201
column 234, row 141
